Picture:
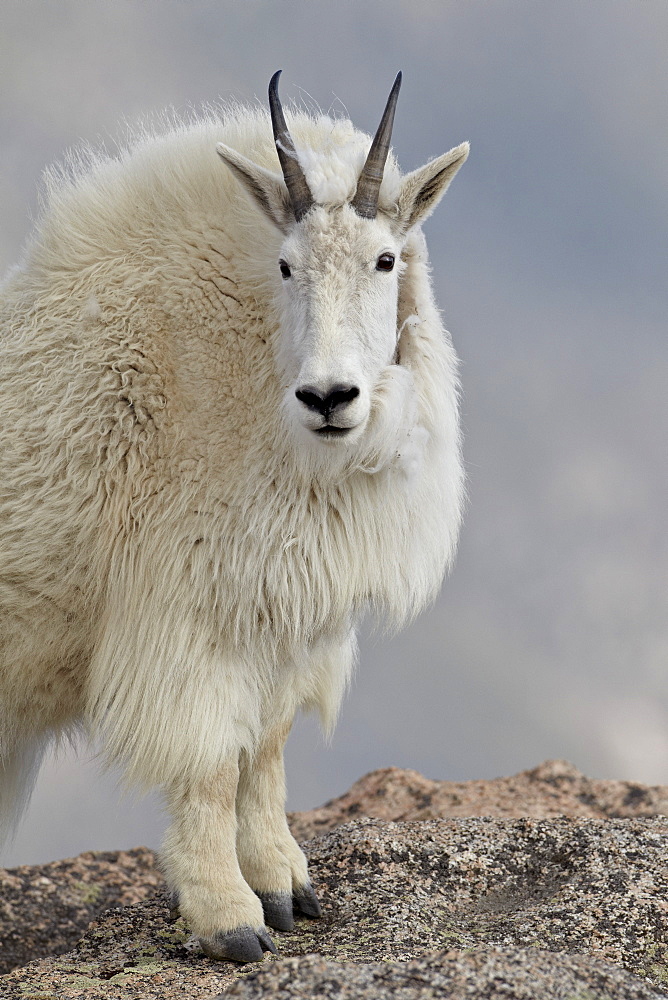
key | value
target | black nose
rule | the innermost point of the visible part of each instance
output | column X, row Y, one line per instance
column 338, row 398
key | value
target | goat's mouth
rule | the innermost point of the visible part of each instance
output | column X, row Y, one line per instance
column 330, row 431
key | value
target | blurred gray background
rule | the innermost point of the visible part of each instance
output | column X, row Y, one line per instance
column 550, row 254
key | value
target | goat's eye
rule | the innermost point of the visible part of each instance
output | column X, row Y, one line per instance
column 285, row 268
column 385, row 262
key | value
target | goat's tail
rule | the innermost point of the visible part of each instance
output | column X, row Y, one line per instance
column 19, row 764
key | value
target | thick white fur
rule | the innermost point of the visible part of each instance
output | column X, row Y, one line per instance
column 179, row 573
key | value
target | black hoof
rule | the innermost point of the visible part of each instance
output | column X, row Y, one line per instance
column 174, row 912
column 305, row 901
column 245, row 944
column 277, row 908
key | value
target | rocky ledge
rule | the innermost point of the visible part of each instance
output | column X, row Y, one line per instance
column 504, row 905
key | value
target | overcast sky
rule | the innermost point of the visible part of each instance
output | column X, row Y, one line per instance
column 550, row 254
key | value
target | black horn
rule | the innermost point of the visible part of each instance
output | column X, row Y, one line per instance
column 365, row 201
column 295, row 181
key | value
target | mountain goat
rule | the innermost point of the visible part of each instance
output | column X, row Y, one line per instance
column 229, row 429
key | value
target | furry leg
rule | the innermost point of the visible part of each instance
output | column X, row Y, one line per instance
column 200, row 863
column 270, row 858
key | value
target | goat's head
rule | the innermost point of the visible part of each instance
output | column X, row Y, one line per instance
column 341, row 269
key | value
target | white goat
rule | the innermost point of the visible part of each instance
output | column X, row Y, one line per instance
column 229, row 428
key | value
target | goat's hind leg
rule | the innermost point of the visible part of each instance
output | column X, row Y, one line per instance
column 272, row 862
column 20, row 760
column 200, row 862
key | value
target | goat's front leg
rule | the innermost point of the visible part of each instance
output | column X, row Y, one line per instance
column 272, row 862
column 200, row 863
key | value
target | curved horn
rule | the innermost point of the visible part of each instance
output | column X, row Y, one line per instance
column 365, row 201
column 295, row 181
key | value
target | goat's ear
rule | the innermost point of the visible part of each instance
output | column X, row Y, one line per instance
column 422, row 189
column 266, row 188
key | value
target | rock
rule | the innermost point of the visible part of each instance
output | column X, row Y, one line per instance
column 493, row 973
column 491, row 896
column 554, row 788
column 44, row 909
column 397, row 890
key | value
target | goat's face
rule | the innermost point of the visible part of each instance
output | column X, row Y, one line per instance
column 339, row 276
column 340, row 267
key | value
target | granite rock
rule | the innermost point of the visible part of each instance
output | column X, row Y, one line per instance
column 554, row 788
column 559, row 901
column 491, row 973
column 44, row 909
